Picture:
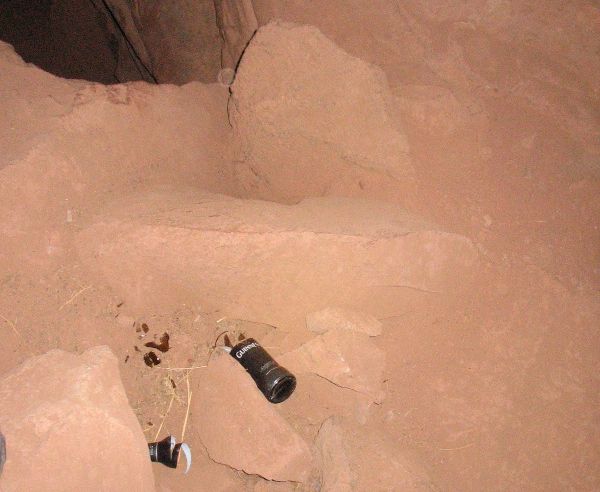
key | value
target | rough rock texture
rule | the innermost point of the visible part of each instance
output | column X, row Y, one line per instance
column 307, row 116
column 332, row 318
column 241, row 429
column 340, row 450
column 176, row 40
column 69, row 427
column 237, row 24
column 259, row 260
column 491, row 387
column 346, row 358
column 332, row 459
column 81, row 143
column 463, row 47
column 315, row 399
column 97, row 121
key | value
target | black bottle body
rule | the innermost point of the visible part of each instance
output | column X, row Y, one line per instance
column 274, row 381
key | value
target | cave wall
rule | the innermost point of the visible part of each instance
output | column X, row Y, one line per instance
column 177, row 41
column 68, row 38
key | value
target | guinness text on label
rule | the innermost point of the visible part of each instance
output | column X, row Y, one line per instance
column 245, row 349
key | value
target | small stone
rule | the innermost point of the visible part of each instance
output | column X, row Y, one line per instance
column 241, row 429
column 342, row 319
column 346, row 358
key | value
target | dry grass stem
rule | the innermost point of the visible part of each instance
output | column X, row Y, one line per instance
column 164, row 418
column 187, row 411
column 12, row 326
column 179, row 368
column 74, row 296
column 456, row 449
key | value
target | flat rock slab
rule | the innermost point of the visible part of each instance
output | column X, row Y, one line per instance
column 264, row 261
column 241, row 429
column 69, row 427
column 332, row 318
column 346, row 358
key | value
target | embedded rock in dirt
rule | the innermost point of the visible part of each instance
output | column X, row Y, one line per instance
column 357, row 458
column 346, row 358
column 69, row 426
column 331, row 458
column 241, row 429
column 263, row 261
column 309, row 118
column 332, row 318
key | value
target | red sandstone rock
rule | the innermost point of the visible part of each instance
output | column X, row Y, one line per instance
column 518, row 154
column 355, row 458
column 268, row 262
column 69, row 427
column 241, row 429
column 265, row 486
column 308, row 116
column 346, row 358
column 88, row 140
column 331, row 457
column 343, row 319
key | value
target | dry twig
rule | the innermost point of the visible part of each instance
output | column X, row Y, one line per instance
column 12, row 326
column 164, row 418
column 187, row 411
column 74, row 296
column 456, row 449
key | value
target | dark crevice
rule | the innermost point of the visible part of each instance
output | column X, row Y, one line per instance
column 144, row 71
column 70, row 38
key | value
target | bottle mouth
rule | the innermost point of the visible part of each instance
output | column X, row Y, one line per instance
column 167, row 452
column 282, row 389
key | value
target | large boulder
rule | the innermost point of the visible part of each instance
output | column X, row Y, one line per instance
column 69, row 427
column 310, row 119
column 264, row 261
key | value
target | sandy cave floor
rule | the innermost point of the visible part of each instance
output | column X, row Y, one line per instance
column 492, row 388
